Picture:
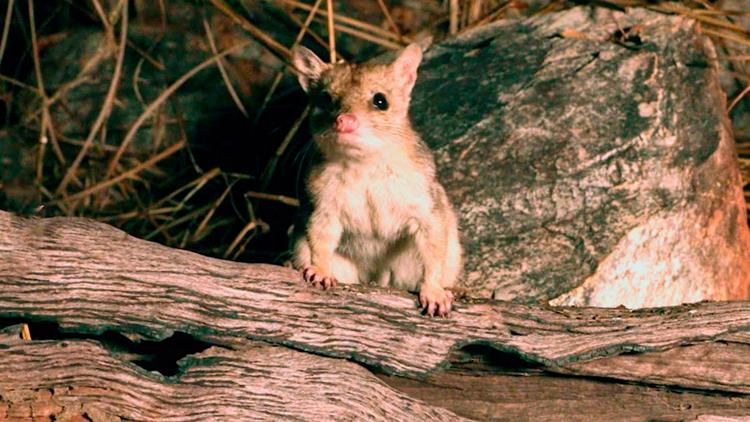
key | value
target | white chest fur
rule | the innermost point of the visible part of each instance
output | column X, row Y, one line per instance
column 374, row 202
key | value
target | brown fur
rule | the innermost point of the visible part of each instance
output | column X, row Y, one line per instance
column 379, row 214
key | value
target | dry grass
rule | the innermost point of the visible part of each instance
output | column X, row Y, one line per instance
column 191, row 205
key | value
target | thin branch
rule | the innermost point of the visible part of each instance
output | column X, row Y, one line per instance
column 108, row 101
column 127, row 174
column 453, row 17
column 115, row 12
column 258, row 34
column 738, row 98
column 492, row 16
column 727, row 36
column 19, row 84
column 277, row 80
column 130, row 135
column 163, row 15
column 310, row 32
column 331, row 32
column 156, row 207
column 204, row 223
column 737, row 57
column 6, row 28
column 389, row 18
column 263, row 229
column 292, row 202
column 682, row 10
column 135, row 79
column 202, row 181
column 164, row 228
column 253, row 224
column 365, row 36
column 46, row 125
column 271, row 167
column 137, row 214
column 344, row 19
column 306, row 25
column 144, row 54
column 222, row 70
column 109, row 32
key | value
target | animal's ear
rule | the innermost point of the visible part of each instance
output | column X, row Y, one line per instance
column 308, row 65
column 405, row 66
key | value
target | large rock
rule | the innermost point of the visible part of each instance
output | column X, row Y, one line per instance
column 589, row 167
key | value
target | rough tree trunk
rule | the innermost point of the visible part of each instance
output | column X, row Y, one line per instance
column 272, row 348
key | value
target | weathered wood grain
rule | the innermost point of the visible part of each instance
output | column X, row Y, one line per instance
column 717, row 365
column 540, row 397
column 90, row 278
column 65, row 378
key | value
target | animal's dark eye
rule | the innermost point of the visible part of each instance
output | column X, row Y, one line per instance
column 324, row 100
column 379, row 101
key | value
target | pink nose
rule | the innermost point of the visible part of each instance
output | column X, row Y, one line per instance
column 346, row 123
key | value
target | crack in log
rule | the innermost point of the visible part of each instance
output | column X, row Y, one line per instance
column 486, row 358
column 162, row 356
column 256, row 382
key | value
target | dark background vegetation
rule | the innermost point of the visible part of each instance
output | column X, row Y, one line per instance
column 207, row 154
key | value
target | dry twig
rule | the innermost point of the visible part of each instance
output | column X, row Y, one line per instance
column 389, row 18
column 160, row 99
column 292, row 202
column 222, row 70
column 453, row 17
column 258, row 34
column 126, row 174
column 108, row 100
column 6, row 29
column 46, row 126
column 280, row 74
column 331, row 31
column 339, row 18
column 271, row 167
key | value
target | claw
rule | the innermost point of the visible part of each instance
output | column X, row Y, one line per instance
column 435, row 301
column 328, row 283
column 315, row 277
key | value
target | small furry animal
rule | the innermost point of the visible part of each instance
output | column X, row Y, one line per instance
column 378, row 214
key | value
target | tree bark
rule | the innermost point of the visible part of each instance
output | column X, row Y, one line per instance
column 259, row 382
column 92, row 279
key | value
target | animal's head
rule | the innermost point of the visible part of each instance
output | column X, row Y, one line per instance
column 358, row 110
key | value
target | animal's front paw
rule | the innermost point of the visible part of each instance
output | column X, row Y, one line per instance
column 317, row 278
column 435, row 301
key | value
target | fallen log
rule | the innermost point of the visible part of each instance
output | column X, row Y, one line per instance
column 260, row 382
column 90, row 278
column 66, row 379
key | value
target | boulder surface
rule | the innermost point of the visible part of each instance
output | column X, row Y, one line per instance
column 590, row 158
